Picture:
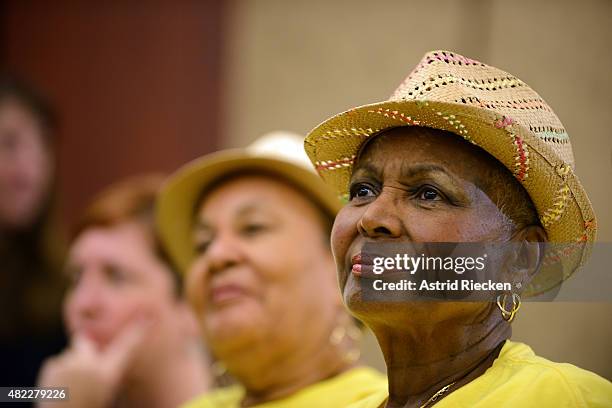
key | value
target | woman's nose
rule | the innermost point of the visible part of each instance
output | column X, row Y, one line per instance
column 223, row 253
column 87, row 300
column 380, row 218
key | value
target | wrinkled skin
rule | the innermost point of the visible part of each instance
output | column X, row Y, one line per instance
column 263, row 286
column 420, row 185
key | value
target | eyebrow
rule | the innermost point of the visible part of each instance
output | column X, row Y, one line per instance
column 411, row 171
column 407, row 170
column 243, row 211
column 420, row 169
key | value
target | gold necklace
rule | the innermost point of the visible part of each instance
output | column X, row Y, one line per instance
column 437, row 395
column 433, row 397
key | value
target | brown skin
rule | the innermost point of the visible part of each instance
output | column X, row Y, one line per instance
column 264, row 289
column 420, row 185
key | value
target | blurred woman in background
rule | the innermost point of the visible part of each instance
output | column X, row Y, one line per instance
column 250, row 229
column 134, row 341
column 30, row 244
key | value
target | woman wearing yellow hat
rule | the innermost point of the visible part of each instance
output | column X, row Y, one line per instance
column 462, row 152
column 250, row 229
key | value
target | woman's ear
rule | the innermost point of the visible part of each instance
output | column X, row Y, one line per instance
column 530, row 243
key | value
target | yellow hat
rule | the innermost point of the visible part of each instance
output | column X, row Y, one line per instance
column 279, row 153
column 493, row 110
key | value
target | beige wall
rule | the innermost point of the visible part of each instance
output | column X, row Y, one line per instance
column 291, row 64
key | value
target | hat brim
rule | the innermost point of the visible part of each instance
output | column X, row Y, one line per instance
column 175, row 207
column 560, row 200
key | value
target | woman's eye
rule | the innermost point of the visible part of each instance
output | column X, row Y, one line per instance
column 361, row 190
column 115, row 274
column 429, row 194
column 253, row 229
column 201, row 247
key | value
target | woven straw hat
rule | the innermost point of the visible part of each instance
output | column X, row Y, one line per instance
column 278, row 153
column 493, row 110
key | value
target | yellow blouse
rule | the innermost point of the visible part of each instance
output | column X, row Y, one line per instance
column 519, row 378
column 340, row 391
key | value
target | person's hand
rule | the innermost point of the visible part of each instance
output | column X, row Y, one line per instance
column 92, row 377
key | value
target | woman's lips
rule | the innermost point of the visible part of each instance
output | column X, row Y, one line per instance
column 356, row 265
column 361, row 265
column 226, row 293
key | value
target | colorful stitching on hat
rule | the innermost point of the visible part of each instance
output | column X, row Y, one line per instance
column 554, row 213
column 559, row 254
column 334, row 164
column 448, row 58
column 562, row 253
column 503, row 122
column 332, row 134
column 504, row 82
column 491, row 84
column 472, row 100
column 483, row 85
column 553, row 137
column 550, row 129
column 522, row 160
column 456, row 123
column 588, row 226
column 530, row 104
column 563, row 170
column 395, row 115
column 522, row 104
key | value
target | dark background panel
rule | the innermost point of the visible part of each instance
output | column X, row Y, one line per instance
column 136, row 83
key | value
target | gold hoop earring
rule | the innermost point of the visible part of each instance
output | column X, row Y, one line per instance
column 516, row 305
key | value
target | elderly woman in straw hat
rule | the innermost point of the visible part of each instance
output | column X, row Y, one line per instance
column 250, row 229
column 462, row 152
